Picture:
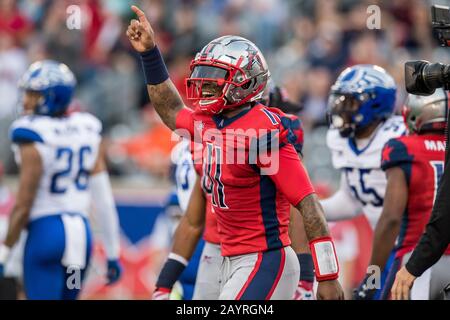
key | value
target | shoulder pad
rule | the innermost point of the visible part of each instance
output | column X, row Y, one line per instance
column 338, row 147
column 27, row 129
column 180, row 149
column 291, row 131
column 88, row 120
column 395, row 153
column 289, row 126
column 334, row 139
column 394, row 127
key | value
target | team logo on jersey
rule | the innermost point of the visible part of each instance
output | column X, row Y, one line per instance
column 207, row 259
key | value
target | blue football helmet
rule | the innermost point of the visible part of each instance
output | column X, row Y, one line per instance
column 54, row 81
column 361, row 95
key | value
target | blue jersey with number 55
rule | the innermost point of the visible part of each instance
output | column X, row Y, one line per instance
column 361, row 165
column 68, row 147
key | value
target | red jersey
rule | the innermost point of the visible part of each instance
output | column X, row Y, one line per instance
column 421, row 157
column 210, row 233
column 252, row 172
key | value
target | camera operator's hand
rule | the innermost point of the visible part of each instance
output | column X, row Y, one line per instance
column 402, row 285
column 140, row 32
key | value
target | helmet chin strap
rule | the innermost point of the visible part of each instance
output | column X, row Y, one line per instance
column 347, row 132
column 41, row 109
column 352, row 131
column 204, row 103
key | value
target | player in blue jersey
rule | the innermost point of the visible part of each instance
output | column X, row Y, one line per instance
column 361, row 113
column 62, row 171
column 175, row 207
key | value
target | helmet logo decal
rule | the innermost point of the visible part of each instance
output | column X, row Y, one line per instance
column 251, row 57
column 361, row 95
column 207, row 50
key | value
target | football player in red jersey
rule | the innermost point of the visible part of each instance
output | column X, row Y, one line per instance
column 250, row 195
column 413, row 165
column 207, row 283
column 207, row 286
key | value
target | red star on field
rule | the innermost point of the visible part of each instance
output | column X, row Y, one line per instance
column 138, row 274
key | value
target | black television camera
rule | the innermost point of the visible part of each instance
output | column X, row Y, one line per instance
column 423, row 77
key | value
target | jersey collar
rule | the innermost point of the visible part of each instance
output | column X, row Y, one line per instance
column 354, row 147
column 222, row 122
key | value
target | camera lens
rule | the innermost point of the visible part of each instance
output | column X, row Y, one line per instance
column 414, row 77
column 433, row 75
column 423, row 78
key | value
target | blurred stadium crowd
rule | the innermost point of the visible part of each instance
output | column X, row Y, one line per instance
column 306, row 43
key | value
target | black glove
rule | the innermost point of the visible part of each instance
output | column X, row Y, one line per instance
column 278, row 99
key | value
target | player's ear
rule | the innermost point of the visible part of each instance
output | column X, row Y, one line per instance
column 31, row 99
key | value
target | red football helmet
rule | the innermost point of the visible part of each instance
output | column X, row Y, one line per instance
column 229, row 72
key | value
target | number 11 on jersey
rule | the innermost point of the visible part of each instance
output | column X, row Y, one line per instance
column 212, row 173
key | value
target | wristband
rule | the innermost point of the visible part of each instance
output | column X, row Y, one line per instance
column 4, row 253
column 306, row 267
column 170, row 273
column 324, row 257
column 155, row 70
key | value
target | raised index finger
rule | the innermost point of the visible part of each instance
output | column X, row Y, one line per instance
column 140, row 14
